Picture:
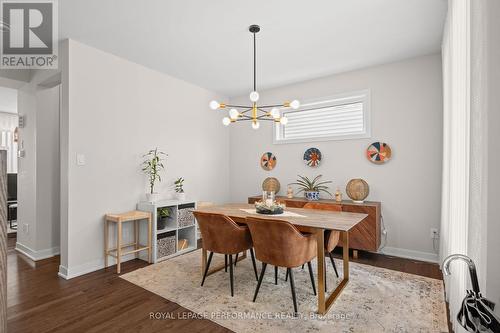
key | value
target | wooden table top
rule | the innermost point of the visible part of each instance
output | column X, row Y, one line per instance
column 342, row 221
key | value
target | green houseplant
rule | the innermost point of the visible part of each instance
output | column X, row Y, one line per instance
column 179, row 189
column 312, row 188
column 152, row 166
column 163, row 214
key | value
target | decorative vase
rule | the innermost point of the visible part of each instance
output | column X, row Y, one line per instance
column 338, row 196
column 152, row 197
column 181, row 196
column 357, row 190
column 312, row 195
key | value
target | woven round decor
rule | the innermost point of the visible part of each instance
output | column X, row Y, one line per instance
column 268, row 161
column 271, row 184
column 379, row 152
column 357, row 189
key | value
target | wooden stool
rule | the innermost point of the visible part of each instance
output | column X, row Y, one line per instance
column 117, row 251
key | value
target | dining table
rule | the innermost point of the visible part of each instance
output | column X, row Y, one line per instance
column 307, row 221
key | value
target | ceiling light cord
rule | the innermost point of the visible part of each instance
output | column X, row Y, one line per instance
column 254, row 64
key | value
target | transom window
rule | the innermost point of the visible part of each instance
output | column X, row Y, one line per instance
column 339, row 117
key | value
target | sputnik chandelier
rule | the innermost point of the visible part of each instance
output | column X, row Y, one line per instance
column 254, row 112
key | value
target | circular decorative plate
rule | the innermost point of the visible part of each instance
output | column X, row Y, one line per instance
column 378, row 152
column 271, row 184
column 357, row 189
column 268, row 161
column 312, row 157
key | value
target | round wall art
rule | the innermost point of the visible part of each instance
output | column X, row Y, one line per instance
column 312, row 157
column 268, row 161
column 378, row 152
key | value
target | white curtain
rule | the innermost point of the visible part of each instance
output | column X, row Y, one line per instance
column 8, row 124
column 456, row 148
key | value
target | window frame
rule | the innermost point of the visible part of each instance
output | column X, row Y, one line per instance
column 360, row 96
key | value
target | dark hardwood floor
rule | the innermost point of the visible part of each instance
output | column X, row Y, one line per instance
column 40, row 301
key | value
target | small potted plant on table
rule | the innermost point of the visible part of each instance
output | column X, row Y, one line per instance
column 179, row 189
column 312, row 188
column 152, row 167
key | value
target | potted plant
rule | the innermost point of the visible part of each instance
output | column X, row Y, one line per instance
column 312, row 188
column 179, row 189
column 152, row 166
column 164, row 214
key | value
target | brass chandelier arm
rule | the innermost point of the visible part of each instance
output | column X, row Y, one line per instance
column 267, row 119
column 262, row 110
column 238, row 106
column 244, row 116
column 245, row 111
column 272, row 106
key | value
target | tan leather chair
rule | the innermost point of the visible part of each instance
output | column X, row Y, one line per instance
column 331, row 237
column 280, row 244
column 222, row 235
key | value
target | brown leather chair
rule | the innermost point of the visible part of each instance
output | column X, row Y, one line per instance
column 222, row 235
column 280, row 244
column 331, row 237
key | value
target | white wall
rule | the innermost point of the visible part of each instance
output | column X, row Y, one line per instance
column 26, row 174
column 47, row 171
column 38, row 172
column 113, row 112
column 406, row 111
column 8, row 100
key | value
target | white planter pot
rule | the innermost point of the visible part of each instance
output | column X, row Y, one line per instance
column 152, row 197
column 180, row 196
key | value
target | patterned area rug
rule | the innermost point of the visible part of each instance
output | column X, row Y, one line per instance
column 375, row 299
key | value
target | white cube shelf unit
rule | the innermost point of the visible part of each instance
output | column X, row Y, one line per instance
column 180, row 226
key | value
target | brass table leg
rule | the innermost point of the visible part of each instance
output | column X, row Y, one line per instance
column 325, row 304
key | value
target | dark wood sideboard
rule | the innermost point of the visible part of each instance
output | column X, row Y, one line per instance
column 364, row 236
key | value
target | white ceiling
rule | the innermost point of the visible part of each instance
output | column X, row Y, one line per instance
column 207, row 42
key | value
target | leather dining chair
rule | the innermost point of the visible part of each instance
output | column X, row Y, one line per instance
column 331, row 236
column 280, row 244
column 222, row 235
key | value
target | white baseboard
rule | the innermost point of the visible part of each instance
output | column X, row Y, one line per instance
column 89, row 267
column 37, row 255
column 411, row 254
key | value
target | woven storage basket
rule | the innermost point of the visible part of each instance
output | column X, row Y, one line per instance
column 165, row 246
column 185, row 217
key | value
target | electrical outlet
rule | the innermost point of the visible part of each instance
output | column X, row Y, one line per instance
column 434, row 233
column 26, row 228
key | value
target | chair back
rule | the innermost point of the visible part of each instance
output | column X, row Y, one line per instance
column 279, row 243
column 220, row 234
column 331, row 237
